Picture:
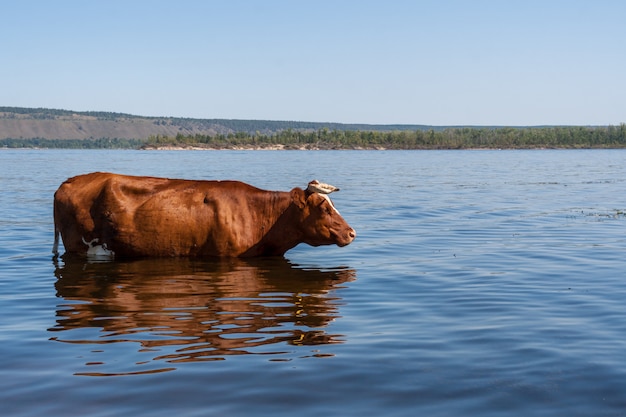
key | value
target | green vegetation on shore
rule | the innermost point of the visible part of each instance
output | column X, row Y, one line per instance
column 450, row 138
column 102, row 143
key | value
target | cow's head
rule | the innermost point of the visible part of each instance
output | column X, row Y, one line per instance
column 319, row 220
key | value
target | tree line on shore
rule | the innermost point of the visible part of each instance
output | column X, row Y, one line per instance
column 450, row 138
column 573, row 137
column 101, row 143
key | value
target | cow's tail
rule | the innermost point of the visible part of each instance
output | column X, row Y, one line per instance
column 55, row 246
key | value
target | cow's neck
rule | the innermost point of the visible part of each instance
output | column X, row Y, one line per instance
column 279, row 229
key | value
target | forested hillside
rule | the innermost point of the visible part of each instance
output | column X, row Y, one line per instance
column 28, row 123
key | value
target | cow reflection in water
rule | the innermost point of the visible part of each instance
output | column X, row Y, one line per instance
column 193, row 310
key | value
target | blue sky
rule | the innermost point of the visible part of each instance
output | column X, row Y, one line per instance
column 439, row 62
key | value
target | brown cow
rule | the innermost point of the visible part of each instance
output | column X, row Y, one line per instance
column 104, row 214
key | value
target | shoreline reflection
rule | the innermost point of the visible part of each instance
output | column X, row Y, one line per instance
column 182, row 310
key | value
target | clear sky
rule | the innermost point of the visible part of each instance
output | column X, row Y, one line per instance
column 436, row 62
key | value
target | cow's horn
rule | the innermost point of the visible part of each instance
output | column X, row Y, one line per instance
column 319, row 187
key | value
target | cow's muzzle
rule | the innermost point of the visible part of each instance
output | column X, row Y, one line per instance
column 347, row 238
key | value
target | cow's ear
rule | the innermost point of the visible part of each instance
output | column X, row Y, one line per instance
column 298, row 196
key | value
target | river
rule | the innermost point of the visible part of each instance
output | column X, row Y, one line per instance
column 483, row 283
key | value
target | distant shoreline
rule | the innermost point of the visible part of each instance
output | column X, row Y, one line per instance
column 278, row 147
column 55, row 129
column 309, row 148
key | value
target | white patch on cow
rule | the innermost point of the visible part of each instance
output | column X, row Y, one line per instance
column 330, row 202
column 98, row 251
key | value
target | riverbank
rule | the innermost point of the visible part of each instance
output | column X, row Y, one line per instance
column 277, row 147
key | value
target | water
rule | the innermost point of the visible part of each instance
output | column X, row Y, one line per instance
column 480, row 283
